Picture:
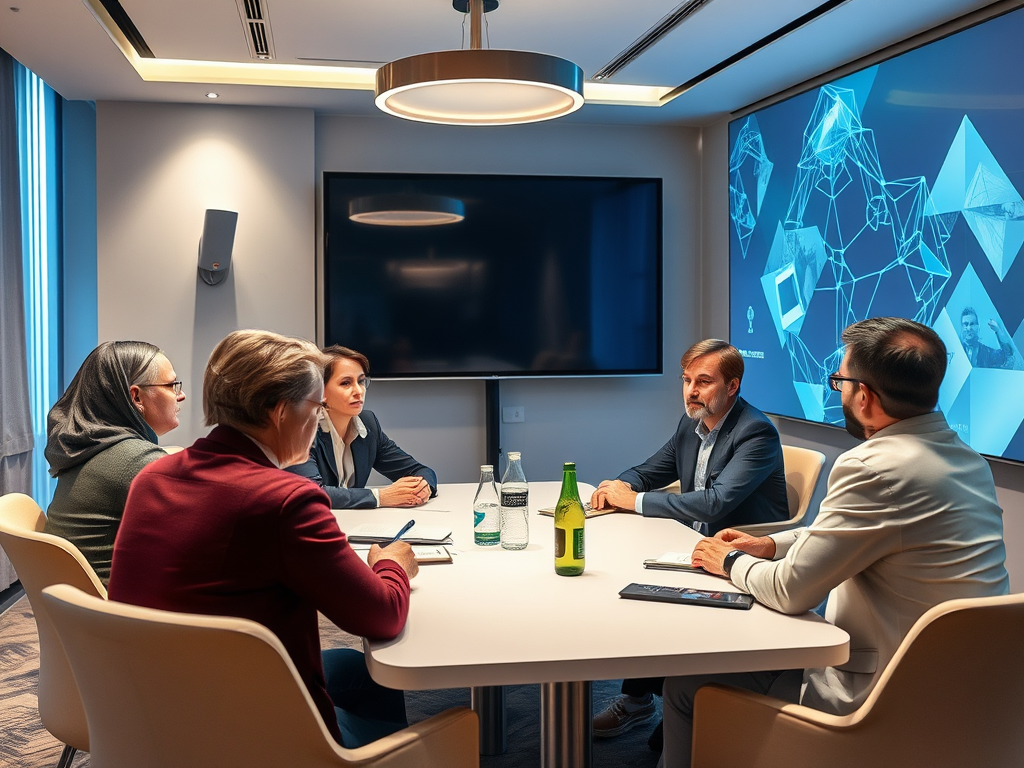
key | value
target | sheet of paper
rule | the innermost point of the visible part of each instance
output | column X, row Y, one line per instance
column 675, row 558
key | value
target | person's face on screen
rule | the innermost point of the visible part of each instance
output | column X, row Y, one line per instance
column 346, row 389
column 706, row 393
column 969, row 329
column 158, row 402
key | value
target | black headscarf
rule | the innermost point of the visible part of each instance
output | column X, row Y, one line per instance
column 96, row 411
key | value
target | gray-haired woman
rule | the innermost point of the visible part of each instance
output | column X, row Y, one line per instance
column 100, row 434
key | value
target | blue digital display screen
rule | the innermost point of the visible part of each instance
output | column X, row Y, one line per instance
column 895, row 190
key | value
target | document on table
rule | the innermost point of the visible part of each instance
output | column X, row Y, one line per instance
column 671, row 561
column 588, row 511
column 380, row 533
column 425, row 554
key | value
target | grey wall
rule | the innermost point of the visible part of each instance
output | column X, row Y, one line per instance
column 159, row 166
column 829, row 440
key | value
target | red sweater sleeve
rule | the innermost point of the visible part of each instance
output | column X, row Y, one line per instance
column 319, row 564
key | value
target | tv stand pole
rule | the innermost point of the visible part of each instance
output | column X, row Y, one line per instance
column 489, row 701
column 492, row 417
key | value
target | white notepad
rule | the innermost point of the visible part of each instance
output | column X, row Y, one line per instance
column 379, row 533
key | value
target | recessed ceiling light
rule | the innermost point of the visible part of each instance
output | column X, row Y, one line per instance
column 212, row 95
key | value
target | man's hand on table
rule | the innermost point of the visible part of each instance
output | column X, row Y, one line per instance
column 400, row 552
column 710, row 552
column 614, row 494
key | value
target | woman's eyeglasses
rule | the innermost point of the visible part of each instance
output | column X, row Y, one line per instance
column 362, row 381
column 175, row 385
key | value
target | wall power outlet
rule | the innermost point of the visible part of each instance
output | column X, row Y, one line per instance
column 513, row 414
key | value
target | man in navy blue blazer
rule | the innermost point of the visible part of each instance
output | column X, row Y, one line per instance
column 725, row 454
column 727, row 458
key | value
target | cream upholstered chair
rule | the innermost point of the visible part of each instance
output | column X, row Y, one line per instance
column 803, row 467
column 164, row 689
column 41, row 560
column 952, row 696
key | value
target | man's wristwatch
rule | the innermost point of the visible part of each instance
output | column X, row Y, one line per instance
column 730, row 560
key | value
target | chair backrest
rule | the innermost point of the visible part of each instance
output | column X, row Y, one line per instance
column 42, row 560
column 803, row 466
column 174, row 689
column 953, row 694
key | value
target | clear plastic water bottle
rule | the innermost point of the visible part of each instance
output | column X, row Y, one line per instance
column 485, row 509
column 515, row 499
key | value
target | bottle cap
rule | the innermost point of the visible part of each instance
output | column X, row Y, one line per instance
column 486, row 468
column 514, row 455
column 571, row 465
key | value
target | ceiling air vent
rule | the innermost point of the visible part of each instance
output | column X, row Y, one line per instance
column 256, row 25
column 650, row 37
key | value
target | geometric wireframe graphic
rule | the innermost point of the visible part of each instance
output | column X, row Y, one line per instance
column 749, row 168
column 886, row 200
column 980, row 394
column 795, row 263
column 839, row 163
column 810, row 379
column 972, row 182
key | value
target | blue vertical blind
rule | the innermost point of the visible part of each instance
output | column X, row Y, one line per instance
column 37, row 108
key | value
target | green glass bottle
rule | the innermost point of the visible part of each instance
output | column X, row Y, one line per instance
column 569, row 520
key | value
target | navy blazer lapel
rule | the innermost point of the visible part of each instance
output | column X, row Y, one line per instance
column 327, row 451
column 362, row 459
column 723, row 444
column 688, row 457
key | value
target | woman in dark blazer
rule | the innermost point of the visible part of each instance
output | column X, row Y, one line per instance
column 350, row 442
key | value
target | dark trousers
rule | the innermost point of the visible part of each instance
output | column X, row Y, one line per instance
column 366, row 710
column 639, row 687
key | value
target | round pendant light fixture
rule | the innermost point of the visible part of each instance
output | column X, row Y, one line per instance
column 479, row 86
column 406, row 210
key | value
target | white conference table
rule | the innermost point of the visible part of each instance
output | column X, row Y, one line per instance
column 495, row 617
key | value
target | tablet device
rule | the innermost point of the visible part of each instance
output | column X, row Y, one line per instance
column 687, row 596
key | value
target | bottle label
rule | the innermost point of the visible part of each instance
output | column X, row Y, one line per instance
column 559, row 542
column 514, row 498
column 478, row 517
column 577, row 544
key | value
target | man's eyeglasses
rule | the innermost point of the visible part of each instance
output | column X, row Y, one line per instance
column 175, row 385
column 321, row 407
column 835, row 381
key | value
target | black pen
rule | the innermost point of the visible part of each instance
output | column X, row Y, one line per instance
column 401, row 533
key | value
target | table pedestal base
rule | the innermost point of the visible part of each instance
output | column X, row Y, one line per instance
column 566, row 725
column 489, row 704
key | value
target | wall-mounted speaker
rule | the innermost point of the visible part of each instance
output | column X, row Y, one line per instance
column 215, row 245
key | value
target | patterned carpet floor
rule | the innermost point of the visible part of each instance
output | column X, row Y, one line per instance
column 24, row 743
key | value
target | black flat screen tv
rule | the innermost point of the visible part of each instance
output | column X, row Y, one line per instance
column 544, row 276
column 895, row 190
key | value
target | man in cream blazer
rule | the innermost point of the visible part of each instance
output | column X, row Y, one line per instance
column 910, row 520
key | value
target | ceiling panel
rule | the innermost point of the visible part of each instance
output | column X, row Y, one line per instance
column 61, row 41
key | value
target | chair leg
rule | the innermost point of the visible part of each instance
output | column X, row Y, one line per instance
column 66, row 757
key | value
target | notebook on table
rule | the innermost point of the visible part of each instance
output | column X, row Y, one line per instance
column 382, row 533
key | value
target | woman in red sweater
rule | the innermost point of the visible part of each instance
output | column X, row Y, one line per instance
column 221, row 529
